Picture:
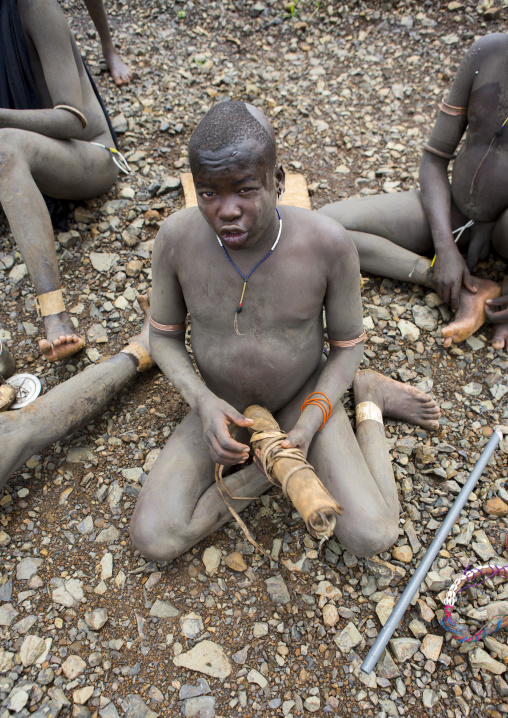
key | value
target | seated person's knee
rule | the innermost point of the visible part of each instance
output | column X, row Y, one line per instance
column 10, row 148
column 371, row 538
column 159, row 544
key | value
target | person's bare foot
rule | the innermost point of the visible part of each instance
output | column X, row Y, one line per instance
column 470, row 315
column 500, row 336
column 120, row 72
column 396, row 400
column 62, row 340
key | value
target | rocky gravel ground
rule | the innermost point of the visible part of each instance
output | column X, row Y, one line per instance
column 88, row 627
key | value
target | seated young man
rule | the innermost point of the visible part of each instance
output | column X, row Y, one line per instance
column 397, row 235
column 233, row 252
column 50, row 118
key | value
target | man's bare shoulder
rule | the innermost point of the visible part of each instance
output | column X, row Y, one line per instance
column 179, row 227
column 326, row 233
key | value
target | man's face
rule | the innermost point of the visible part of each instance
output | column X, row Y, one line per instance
column 236, row 193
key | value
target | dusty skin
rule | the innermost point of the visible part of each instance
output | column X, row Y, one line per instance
column 275, row 359
column 120, row 72
column 48, row 151
column 397, row 234
column 65, row 408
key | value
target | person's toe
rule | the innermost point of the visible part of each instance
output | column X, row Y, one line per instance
column 45, row 347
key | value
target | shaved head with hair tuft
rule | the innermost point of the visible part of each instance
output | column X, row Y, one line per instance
column 228, row 124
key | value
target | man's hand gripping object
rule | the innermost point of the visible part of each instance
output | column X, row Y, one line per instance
column 290, row 471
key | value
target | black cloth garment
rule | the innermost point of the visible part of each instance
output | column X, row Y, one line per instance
column 18, row 90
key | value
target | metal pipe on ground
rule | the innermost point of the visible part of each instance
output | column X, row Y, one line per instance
column 400, row 608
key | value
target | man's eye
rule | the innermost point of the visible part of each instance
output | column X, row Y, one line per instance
column 207, row 194
column 246, row 189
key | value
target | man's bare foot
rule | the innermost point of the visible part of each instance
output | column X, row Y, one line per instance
column 120, row 72
column 470, row 315
column 62, row 341
column 396, row 400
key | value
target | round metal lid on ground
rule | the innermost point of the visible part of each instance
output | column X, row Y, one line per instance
column 28, row 387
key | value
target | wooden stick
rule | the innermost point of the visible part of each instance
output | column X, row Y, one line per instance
column 289, row 470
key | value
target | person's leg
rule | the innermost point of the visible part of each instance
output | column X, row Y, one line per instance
column 120, row 72
column 67, row 407
column 357, row 470
column 180, row 503
column 391, row 233
column 500, row 244
column 65, row 169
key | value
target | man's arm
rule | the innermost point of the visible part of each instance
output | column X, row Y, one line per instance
column 167, row 306
column 344, row 320
column 46, row 26
column 450, row 270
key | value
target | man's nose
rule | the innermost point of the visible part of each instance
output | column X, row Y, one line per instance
column 230, row 208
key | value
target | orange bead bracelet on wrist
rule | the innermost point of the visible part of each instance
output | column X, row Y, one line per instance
column 317, row 398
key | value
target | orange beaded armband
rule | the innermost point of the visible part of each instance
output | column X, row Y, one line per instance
column 324, row 404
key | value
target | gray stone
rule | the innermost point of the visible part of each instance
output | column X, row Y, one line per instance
column 192, row 691
column 408, row 330
column 86, row 526
column 277, row 589
column 137, row 708
column 474, row 343
column 48, row 710
column 73, row 666
column 97, row 334
column 104, row 261
column 481, row 660
column 241, row 656
column 404, row 648
column 483, row 548
column 199, row 707
column 163, row 609
column 472, row 389
column 386, row 574
column 254, row 676
column 6, row 590
column 211, row 558
column 424, row 317
column 17, row 700
column 312, row 704
column 120, row 126
column 96, row 619
column 109, row 711
column 18, row 272
column 108, row 535
column 206, row 657
column 389, row 707
column 192, row 625
column 7, row 614
column 133, row 474
column 27, row 568
column 170, row 184
column 430, row 698
column 68, row 593
column 79, row 454
column 348, row 638
column 31, row 649
column 500, row 649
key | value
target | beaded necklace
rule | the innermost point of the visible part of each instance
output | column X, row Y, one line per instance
column 246, row 278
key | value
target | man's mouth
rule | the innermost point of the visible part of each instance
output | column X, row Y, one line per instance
column 232, row 234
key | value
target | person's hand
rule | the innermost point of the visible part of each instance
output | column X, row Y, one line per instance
column 450, row 273
column 497, row 310
column 298, row 438
column 216, row 417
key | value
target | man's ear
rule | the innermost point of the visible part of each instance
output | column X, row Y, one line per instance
column 279, row 179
